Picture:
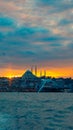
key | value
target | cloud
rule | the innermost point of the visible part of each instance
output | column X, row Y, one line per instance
column 5, row 21
column 1, row 36
column 35, row 31
column 63, row 4
column 65, row 22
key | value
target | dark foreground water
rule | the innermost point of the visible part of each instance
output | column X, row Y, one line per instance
column 36, row 111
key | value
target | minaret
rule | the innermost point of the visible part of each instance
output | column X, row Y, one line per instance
column 36, row 70
column 45, row 73
column 40, row 73
column 31, row 69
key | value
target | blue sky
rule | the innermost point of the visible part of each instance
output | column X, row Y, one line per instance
column 36, row 32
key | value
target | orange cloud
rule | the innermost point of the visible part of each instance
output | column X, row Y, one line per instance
column 8, row 6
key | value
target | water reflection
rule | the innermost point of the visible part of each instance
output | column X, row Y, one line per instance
column 25, row 111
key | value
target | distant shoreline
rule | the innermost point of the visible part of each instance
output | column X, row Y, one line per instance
column 31, row 83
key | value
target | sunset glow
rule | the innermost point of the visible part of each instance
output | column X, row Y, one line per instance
column 36, row 33
column 62, row 72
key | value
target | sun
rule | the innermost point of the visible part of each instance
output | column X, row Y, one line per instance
column 10, row 76
column 9, row 73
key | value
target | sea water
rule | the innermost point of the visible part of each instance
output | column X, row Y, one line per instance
column 36, row 111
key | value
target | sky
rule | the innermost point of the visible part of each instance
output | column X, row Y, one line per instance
column 36, row 32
